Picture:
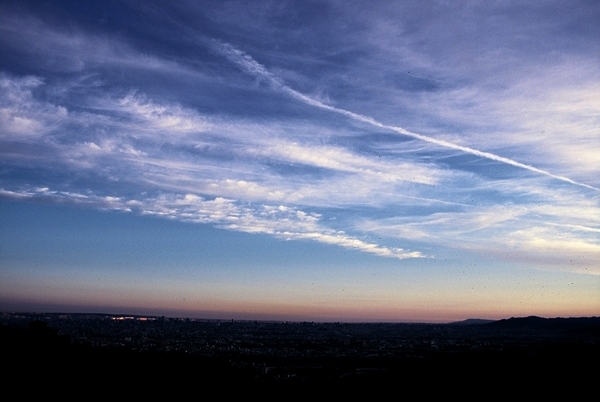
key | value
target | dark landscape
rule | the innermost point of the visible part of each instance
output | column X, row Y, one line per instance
column 151, row 353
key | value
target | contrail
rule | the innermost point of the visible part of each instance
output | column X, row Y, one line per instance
column 251, row 66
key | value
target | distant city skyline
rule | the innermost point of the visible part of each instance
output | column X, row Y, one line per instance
column 318, row 161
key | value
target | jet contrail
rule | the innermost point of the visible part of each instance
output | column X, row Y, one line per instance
column 251, row 66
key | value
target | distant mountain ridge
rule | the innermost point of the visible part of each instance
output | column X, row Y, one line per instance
column 472, row 321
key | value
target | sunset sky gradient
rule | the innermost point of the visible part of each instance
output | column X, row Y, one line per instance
column 301, row 160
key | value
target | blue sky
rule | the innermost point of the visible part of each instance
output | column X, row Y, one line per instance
column 311, row 160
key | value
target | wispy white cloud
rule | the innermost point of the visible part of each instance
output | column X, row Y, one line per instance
column 129, row 134
column 560, row 249
column 21, row 116
column 255, row 68
column 339, row 159
column 564, row 237
column 280, row 221
column 165, row 118
column 548, row 116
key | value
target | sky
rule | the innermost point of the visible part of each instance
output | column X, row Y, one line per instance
column 301, row 160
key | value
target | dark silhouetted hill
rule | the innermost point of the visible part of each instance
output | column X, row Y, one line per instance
column 575, row 324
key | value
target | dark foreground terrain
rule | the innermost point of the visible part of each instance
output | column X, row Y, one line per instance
column 162, row 356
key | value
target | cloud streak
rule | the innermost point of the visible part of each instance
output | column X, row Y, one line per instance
column 251, row 66
column 279, row 221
